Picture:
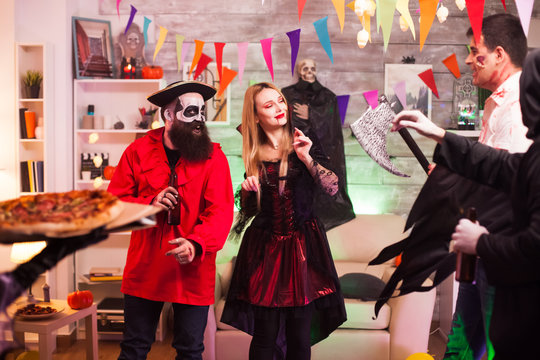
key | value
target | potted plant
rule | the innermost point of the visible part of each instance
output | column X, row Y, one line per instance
column 32, row 81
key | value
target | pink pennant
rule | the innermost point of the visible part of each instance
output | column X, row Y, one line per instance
column 475, row 9
column 524, row 8
column 372, row 98
column 118, row 7
column 428, row 78
column 219, row 56
column 267, row 53
column 185, row 49
column 301, row 4
column 401, row 93
column 242, row 54
column 204, row 60
column 504, row 4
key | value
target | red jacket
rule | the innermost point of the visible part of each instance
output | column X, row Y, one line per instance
column 207, row 205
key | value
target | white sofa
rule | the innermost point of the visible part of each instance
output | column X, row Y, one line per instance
column 401, row 329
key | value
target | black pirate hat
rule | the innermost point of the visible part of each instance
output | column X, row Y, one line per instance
column 165, row 96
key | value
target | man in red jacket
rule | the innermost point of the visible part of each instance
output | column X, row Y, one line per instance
column 174, row 263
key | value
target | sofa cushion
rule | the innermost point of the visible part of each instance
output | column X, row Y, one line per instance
column 361, row 286
column 361, row 315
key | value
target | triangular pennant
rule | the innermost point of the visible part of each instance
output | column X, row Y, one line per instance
column 161, row 40
column 186, row 46
column 147, row 22
column 198, row 51
column 179, row 58
column 401, row 93
column 428, row 78
column 342, row 103
column 118, row 7
column 378, row 14
column 131, row 16
column 475, row 10
column 203, row 62
column 340, row 11
column 428, row 10
column 321, row 27
column 387, row 9
column 219, row 56
column 294, row 39
column 242, row 54
column 372, row 98
column 351, row 5
column 452, row 65
column 266, row 45
column 226, row 78
column 524, row 8
column 403, row 7
column 301, row 4
column 504, row 4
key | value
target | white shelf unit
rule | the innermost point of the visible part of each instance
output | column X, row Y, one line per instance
column 117, row 99
column 31, row 57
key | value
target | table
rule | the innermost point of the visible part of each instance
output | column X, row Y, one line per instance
column 45, row 327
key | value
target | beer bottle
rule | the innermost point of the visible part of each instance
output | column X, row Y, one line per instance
column 173, row 215
column 466, row 263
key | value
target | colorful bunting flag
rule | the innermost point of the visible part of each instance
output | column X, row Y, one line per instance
column 342, row 103
column 242, row 54
column 227, row 77
column 524, row 8
column 475, row 10
column 428, row 78
column 294, row 39
column 452, row 65
column 372, row 98
column 266, row 45
column 428, row 10
column 387, row 9
column 401, row 93
column 131, row 16
column 203, row 62
column 161, row 40
column 179, row 58
column 198, row 51
column 301, row 4
column 504, row 4
column 321, row 27
column 186, row 46
column 147, row 22
column 403, row 7
column 219, row 56
column 118, row 7
column 340, row 11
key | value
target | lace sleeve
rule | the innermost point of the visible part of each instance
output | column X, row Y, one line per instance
column 326, row 179
column 246, row 202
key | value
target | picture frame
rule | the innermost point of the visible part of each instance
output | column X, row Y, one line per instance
column 417, row 92
column 217, row 108
column 92, row 48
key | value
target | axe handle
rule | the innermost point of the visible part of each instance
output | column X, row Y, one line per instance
column 415, row 149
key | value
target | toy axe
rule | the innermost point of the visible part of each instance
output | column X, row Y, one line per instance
column 370, row 130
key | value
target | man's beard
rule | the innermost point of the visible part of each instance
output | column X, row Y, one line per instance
column 192, row 147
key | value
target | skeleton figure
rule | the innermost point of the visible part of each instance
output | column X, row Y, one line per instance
column 307, row 70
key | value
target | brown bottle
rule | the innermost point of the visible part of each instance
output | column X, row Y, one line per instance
column 466, row 263
column 173, row 215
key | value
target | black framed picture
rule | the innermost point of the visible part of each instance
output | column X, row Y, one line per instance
column 92, row 48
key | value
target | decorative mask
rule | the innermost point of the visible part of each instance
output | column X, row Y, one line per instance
column 190, row 107
column 308, row 70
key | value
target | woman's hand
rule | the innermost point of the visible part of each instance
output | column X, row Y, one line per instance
column 302, row 144
column 251, row 184
column 414, row 119
column 466, row 234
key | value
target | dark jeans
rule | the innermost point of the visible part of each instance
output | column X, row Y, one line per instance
column 141, row 318
column 297, row 334
column 469, row 336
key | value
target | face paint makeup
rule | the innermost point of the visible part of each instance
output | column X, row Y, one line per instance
column 480, row 61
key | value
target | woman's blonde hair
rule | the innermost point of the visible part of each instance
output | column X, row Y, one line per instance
column 254, row 136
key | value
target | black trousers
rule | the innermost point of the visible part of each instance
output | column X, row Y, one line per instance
column 266, row 331
column 141, row 318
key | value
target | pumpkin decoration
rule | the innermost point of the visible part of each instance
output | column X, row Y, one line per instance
column 108, row 172
column 80, row 299
column 152, row 72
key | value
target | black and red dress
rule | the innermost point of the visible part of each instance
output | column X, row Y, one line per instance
column 284, row 260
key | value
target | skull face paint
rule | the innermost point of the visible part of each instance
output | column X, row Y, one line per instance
column 190, row 107
column 307, row 70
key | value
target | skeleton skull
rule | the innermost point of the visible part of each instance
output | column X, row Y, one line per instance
column 307, row 70
column 190, row 107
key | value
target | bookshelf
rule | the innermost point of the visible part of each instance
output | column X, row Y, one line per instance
column 32, row 120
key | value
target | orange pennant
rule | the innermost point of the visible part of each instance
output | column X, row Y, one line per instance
column 226, row 77
column 452, row 65
column 428, row 9
column 428, row 78
column 198, row 51
column 204, row 60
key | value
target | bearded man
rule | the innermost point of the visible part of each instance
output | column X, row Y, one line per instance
column 174, row 263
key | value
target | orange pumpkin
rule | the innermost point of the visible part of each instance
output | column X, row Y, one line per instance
column 152, row 72
column 80, row 299
column 108, row 172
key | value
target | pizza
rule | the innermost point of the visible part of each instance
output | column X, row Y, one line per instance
column 57, row 214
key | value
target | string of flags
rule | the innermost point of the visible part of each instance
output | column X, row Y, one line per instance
column 365, row 10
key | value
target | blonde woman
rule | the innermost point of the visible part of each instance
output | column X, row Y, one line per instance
column 284, row 289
